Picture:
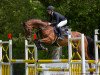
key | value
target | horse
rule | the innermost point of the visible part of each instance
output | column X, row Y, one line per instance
column 48, row 36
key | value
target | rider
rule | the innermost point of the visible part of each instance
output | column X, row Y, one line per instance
column 57, row 20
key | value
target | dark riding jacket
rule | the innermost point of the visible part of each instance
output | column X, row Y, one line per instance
column 56, row 18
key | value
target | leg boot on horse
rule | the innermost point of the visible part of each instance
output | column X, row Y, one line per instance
column 39, row 45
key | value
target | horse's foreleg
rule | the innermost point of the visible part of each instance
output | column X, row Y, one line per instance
column 57, row 52
column 46, row 40
column 39, row 45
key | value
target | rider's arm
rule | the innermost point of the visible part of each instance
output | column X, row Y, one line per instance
column 56, row 16
column 57, row 19
column 51, row 19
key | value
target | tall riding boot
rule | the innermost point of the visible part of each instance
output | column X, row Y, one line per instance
column 60, row 36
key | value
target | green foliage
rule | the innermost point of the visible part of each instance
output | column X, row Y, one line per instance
column 83, row 16
column 14, row 12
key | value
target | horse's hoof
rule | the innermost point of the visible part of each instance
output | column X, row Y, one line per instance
column 46, row 49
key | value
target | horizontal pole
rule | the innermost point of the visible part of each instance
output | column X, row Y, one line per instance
column 87, row 61
column 22, row 61
column 76, row 61
column 90, row 61
column 30, row 65
column 79, row 62
column 4, row 63
column 52, row 69
column 91, row 70
column 4, row 42
column 49, row 61
column 39, row 61
column 53, row 61
column 97, row 41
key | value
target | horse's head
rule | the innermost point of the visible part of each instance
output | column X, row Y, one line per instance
column 32, row 24
column 28, row 26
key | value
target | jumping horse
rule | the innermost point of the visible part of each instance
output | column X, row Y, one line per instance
column 48, row 36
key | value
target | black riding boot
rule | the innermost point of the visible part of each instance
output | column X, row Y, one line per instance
column 60, row 36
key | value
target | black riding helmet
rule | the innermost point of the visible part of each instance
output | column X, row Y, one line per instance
column 50, row 8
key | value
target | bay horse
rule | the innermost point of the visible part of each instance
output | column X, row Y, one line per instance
column 49, row 37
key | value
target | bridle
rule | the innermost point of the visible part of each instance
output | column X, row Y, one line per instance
column 41, row 28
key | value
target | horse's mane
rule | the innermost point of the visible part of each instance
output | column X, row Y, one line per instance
column 35, row 21
column 45, row 21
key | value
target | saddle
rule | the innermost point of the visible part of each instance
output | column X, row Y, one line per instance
column 64, row 31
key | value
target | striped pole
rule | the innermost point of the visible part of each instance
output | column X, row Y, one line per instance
column 0, row 56
column 96, row 50
column 69, row 48
column 36, row 58
column 83, row 55
column 40, row 61
column 52, row 69
column 69, row 53
column 26, row 57
column 10, row 56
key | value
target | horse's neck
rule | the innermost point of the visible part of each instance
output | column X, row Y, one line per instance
column 41, row 23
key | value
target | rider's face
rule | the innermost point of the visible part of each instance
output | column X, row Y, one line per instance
column 49, row 12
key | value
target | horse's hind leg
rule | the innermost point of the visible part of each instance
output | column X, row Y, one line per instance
column 88, row 58
column 87, row 54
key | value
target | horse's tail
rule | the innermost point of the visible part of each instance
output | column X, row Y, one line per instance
column 90, row 47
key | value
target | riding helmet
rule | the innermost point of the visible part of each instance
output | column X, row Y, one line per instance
column 50, row 8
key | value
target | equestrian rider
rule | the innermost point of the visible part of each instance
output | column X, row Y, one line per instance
column 57, row 20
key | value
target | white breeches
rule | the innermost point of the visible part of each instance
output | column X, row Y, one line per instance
column 62, row 23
